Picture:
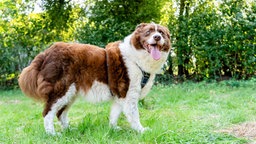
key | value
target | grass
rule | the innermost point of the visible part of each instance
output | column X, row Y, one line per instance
column 184, row 113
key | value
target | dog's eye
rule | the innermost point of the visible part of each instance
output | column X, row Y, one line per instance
column 148, row 32
column 161, row 32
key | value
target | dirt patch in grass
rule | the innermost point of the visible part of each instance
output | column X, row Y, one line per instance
column 245, row 130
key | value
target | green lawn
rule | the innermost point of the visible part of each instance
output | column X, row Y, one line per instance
column 183, row 113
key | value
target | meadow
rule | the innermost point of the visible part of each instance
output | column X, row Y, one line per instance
column 192, row 113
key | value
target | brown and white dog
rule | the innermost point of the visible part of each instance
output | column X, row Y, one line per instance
column 63, row 71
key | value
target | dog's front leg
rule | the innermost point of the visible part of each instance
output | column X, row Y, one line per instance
column 145, row 90
column 132, row 114
column 115, row 112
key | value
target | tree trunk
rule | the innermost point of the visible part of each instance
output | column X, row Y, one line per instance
column 183, row 51
column 179, row 37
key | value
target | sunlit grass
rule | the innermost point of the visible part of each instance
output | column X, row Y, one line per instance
column 183, row 113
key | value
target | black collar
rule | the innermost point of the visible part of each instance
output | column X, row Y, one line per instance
column 145, row 77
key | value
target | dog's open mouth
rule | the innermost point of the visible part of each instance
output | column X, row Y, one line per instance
column 154, row 51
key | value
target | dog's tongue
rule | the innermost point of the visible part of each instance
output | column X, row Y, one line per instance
column 155, row 53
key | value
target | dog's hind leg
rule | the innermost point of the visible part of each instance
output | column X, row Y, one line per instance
column 51, row 109
column 62, row 114
column 49, row 114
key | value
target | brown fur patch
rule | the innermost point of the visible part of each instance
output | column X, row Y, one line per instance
column 117, row 71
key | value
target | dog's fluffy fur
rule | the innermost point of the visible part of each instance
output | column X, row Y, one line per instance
column 63, row 71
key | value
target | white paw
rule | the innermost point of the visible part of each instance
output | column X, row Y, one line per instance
column 117, row 128
column 52, row 133
column 58, row 134
column 64, row 127
column 144, row 129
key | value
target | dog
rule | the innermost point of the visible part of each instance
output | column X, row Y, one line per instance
column 65, row 70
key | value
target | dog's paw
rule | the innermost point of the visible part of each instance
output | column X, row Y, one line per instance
column 145, row 129
column 58, row 134
column 116, row 128
column 53, row 134
column 50, row 132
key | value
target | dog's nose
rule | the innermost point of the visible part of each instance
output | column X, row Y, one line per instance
column 157, row 37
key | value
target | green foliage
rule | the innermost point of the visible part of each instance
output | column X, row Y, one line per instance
column 61, row 14
column 109, row 21
column 13, row 34
column 221, row 38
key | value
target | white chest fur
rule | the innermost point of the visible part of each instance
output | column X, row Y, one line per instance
column 148, row 64
column 98, row 92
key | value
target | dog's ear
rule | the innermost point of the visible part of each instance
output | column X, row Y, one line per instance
column 166, row 30
column 140, row 26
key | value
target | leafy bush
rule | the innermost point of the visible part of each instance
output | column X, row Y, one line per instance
column 221, row 39
column 109, row 21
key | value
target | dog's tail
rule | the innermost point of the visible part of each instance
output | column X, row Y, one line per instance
column 32, row 83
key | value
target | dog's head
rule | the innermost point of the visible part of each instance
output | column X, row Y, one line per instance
column 153, row 38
